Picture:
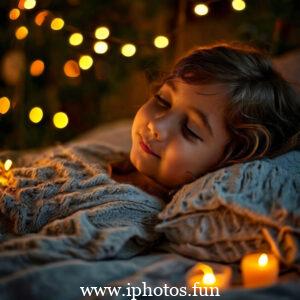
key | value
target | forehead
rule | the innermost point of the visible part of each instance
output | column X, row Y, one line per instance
column 213, row 96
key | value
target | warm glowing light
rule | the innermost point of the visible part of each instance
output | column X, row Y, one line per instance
column 71, row 68
column 4, row 105
column 37, row 67
column 60, row 120
column 263, row 260
column 209, row 279
column 36, row 114
column 100, row 47
column 40, row 17
column 14, row 14
column 7, row 165
column 21, row 4
column 102, row 33
column 201, row 9
column 238, row 5
column 128, row 50
column 29, row 4
column 161, row 41
column 21, row 33
column 57, row 24
column 75, row 39
column 85, row 62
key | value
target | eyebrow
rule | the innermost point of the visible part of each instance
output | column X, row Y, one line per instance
column 198, row 112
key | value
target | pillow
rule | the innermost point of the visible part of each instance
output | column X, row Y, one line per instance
column 242, row 208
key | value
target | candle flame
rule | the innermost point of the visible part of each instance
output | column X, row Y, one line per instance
column 203, row 268
column 209, row 278
column 7, row 164
column 263, row 260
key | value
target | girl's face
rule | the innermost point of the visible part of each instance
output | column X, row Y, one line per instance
column 184, row 126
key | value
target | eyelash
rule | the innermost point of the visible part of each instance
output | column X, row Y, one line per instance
column 163, row 103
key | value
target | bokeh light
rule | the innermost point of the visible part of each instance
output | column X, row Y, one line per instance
column 238, row 5
column 60, row 120
column 14, row 14
column 102, row 33
column 71, row 69
column 201, row 9
column 37, row 67
column 21, row 4
column 161, row 41
column 85, row 62
column 21, row 32
column 29, row 4
column 128, row 50
column 40, row 17
column 76, row 39
column 100, row 47
column 36, row 114
column 4, row 105
column 57, row 24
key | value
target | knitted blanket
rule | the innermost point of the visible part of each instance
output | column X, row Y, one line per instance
column 68, row 207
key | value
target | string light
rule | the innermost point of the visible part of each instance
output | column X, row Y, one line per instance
column 37, row 67
column 85, row 62
column 21, row 4
column 36, row 114
column 71, row 69
column 21, row 32
column 102, row 33
column 161, row 41
column 128, row 50
column 60, row 120
column 29, row 4
column 238, row 5
column 75, row 39
column 4, row 105
column 100, row 47
column 14, row 14
column 57, row 23
column 40, row 17
column 201, row 9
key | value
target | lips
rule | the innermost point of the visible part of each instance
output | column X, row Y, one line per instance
column 145, row 146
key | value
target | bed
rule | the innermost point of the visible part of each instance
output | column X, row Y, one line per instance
column 54, row 241
column 65, row 225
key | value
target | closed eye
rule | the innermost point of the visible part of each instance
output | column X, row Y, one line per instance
column 194, row 135
column 163, row 103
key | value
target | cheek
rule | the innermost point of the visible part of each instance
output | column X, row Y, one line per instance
column 177, row 161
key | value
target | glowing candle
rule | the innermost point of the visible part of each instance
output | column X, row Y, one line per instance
column 259, row 269
column 5, row 173
column 214, row 275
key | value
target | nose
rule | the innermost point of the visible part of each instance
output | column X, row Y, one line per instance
column 159, row 129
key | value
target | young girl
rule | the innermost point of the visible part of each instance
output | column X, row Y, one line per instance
column 219, row 105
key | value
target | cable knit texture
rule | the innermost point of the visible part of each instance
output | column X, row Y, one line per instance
column 63, row 204
column 243, row 208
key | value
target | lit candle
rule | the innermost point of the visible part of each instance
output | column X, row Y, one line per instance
column 259, row 269
column 214, row 275
column 5, row 172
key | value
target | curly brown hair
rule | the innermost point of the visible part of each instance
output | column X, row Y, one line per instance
column 263, row 113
